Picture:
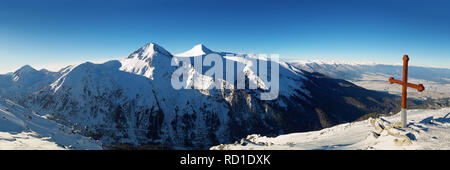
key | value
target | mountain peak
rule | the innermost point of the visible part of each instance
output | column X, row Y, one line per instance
column 148, row 51
column 197, row 50
column 147, row 59
column 201, row 47
column 25, row 69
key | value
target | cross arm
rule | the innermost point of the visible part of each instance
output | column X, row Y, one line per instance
column 419, row 87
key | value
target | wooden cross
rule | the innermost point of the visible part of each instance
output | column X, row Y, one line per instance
column 405, row 84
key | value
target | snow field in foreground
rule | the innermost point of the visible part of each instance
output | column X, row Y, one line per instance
column 427, row 129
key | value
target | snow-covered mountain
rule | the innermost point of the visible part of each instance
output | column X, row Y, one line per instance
column 131, row 101
column 23, row 129
column 25, row 81
column 374, row 76
column 197, row 50
column 427, row 130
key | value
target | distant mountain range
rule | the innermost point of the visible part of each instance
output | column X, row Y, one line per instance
column 355, row 70
column 130, row 102
column 375, row 76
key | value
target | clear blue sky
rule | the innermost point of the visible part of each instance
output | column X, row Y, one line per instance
column 46, row 33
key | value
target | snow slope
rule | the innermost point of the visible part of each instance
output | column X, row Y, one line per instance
column 24, row 130
column 427, row 129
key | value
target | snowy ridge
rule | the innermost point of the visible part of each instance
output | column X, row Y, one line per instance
column 197, row 50
column 427, row 129
column 24, row 81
